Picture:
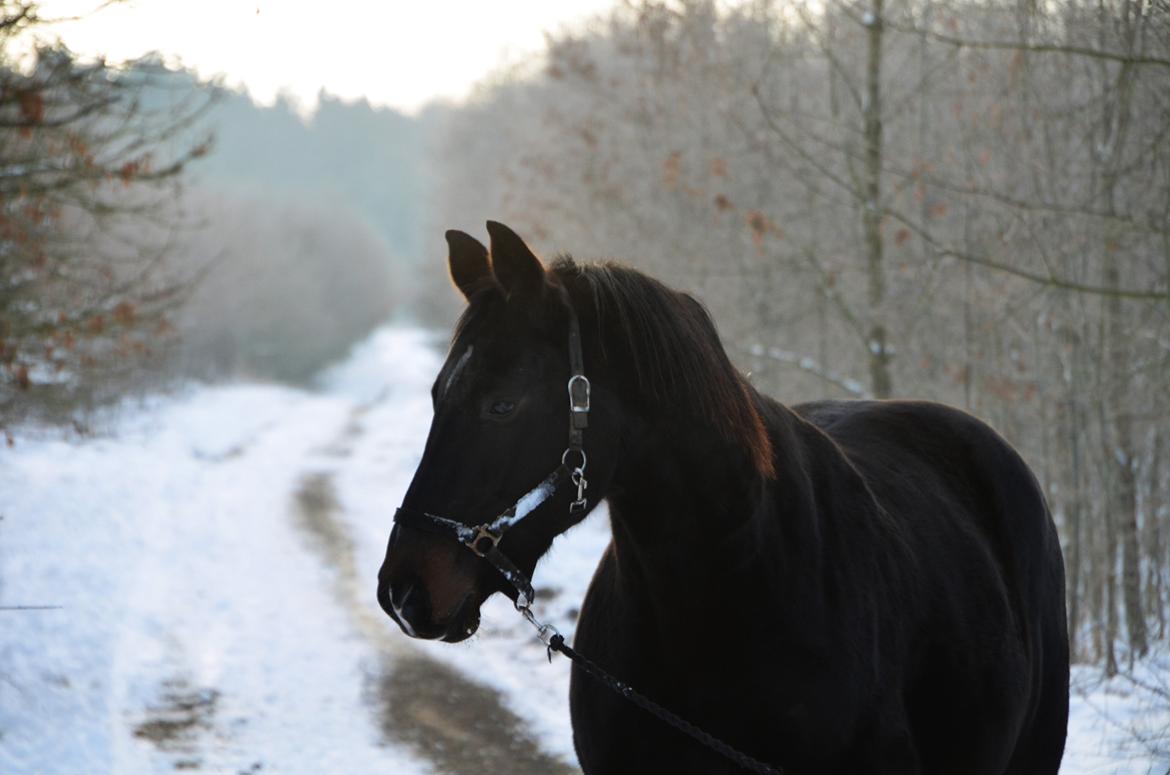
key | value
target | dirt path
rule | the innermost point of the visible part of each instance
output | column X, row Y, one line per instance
column 460, row 726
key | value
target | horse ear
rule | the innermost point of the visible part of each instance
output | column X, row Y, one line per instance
column 516, row 267
column 467, row 260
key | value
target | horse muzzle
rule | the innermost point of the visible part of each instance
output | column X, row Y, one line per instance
column 428, row 593
column 409, row 605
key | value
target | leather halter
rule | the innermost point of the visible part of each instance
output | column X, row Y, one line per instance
column 484, row 539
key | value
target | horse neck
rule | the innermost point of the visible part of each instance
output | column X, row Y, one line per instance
column 692, row 517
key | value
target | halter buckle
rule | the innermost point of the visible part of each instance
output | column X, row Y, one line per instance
column 484, row 540
column 579, row 399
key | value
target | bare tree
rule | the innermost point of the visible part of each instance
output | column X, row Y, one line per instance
column 89, row 154
column 968, row 202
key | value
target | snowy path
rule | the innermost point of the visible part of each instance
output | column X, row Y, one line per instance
column 217, row 608
column 214, row 560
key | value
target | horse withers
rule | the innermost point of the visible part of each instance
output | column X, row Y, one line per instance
column 836, row 587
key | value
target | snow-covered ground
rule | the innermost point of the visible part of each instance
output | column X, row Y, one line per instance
column 212, row 559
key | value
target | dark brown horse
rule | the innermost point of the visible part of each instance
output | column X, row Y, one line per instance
column 832, row 588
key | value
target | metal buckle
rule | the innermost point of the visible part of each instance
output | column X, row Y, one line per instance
column 574, row 404
column 483, row 533
column 577, row 475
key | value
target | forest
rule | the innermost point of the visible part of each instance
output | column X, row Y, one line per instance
column 963, row 202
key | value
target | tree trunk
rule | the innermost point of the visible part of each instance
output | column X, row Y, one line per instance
column 1124, row 500
column 881, row 383
column 1154, row 534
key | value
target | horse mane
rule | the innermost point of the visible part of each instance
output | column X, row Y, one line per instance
column 669, row 342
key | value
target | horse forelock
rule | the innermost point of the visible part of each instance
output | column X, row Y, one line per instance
column 667, row 340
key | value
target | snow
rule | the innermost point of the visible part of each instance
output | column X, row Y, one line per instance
column 214, row 556
column 527, row 503
column 1120, row 725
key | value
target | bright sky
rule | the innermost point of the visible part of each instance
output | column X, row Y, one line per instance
column 390, row 51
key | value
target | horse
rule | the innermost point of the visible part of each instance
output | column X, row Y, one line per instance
column 832, row 587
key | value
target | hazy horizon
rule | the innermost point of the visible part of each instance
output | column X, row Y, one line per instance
column 404, row 57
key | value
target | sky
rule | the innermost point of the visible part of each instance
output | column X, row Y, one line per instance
column 391, row 52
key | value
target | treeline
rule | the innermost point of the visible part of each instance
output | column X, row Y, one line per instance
column 371, row 160
column 154, row 227
column 967, row 202
column 313, row 227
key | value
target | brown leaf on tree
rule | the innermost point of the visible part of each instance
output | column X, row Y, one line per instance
column 78, row 146
column 20, row 374
column 124, row 312
column 758, row 222
column 129, row 171
column 939, row 209
column 902, row 237
column 1016, row 64
column 32, row 107
column 671, row 168
column 722, row 203
column 761, row 225
column 1001, row 387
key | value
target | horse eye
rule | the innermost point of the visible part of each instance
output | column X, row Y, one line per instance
column 502, row 408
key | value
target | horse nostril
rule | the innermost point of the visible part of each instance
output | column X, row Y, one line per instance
column 408, row 604
column 399, row 593
column 415, row 607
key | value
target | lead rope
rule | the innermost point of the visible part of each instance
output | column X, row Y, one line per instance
column 554, row 641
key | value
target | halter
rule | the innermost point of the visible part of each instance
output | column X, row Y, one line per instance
column 484, row 539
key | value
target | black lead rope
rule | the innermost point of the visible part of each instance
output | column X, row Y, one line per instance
column 484, row 541
column 557, row 643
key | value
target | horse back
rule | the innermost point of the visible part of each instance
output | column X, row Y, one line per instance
column 916, row 454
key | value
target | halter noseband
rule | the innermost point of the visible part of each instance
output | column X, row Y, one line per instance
column 484, row 539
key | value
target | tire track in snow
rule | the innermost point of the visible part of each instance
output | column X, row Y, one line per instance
column 460, row 726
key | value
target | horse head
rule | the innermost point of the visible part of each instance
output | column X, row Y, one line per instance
column 501, row 429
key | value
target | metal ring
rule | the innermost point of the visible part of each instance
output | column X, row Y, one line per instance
column 482, row 533
column 565, row 458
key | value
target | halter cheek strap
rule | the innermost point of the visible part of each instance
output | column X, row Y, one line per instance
column 484, row 539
